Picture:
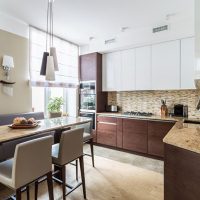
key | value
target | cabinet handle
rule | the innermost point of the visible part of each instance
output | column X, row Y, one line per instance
column 110, row 123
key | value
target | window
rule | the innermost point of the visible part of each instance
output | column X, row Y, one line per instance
column 66, row 78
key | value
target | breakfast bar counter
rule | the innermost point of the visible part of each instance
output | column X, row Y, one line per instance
column 45, row 125
column 181, row 162
column 186, row 136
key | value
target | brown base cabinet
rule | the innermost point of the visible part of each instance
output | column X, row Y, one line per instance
column 107, row 131
column 157, row 130
column 181, row 174
column 137, row 135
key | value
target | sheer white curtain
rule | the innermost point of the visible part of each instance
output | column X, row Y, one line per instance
column 67, row 54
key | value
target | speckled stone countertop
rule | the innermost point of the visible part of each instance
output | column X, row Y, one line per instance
column 186, row 136
column 153, row 117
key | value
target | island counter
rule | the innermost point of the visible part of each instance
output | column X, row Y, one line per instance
column 182, row 162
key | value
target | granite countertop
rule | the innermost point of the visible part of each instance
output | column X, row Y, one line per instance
column 45, row 125
column 153, row 117
column 186, row 136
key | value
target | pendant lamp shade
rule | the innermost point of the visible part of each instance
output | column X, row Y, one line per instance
column 44, row 63
column 53, row 53
column 50, row 73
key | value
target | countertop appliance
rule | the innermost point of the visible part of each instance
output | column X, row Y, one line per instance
column 178, row 110
column 136, row 113
column 111, row 108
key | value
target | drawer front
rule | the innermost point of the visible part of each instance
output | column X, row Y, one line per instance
column 106, row 119
column 106, row 134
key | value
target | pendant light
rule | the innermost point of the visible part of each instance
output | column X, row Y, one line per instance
column 49, row 60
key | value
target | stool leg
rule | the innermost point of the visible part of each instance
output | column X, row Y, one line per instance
column 63, row 181
column 28, row 192
column 77, row 170
column 50, row 185
column 36, row 190
column 18, row 194
column 92, row 151
column 82, row 175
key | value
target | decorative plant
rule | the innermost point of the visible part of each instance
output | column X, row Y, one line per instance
column 55, row 104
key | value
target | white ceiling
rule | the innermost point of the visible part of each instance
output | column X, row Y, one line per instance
column 77, row 20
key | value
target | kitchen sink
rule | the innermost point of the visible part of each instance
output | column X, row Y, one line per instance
column 191, row 121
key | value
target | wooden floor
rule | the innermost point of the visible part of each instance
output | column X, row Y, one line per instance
column 110, row 180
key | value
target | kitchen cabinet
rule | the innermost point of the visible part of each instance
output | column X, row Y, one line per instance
column 181, row 174
column 157, row 130
column 187, row 63
column 166, row 65
column 143, row 68
column 135, row 135
column 112, row 71
column 88, row 64
column 107, row 131
column 128, row 70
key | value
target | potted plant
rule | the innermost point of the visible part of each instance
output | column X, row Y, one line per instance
column 54, row 107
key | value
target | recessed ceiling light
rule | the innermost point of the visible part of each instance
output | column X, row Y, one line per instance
column 110, row 41
column 168, row 16
column 91, row 38
column 124, row 28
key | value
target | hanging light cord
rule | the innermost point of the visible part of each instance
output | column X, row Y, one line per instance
column 49, row 32
column 47, row 25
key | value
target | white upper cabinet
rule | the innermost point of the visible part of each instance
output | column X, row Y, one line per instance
column 112, row 71
column 187, row 63
column 166, row 65
column 143, row 68
column 128, row 70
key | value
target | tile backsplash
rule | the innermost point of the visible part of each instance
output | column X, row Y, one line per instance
column 150, row 101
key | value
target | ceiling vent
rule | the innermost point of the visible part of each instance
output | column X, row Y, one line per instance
column 110, row 41
column 160, row 28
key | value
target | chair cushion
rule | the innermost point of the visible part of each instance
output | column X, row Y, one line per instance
column 54, row 154
column 87, row 136
column 6, row 173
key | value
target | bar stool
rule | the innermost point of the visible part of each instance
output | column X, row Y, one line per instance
column 88, row 138
column 32, row 160
column 69, row 149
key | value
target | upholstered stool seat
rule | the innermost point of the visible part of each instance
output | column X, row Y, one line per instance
column 32, row 160
column 6, row 173
column 68, row 150
column 87, row 136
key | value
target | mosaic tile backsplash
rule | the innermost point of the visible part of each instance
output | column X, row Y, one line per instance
column 150, row 101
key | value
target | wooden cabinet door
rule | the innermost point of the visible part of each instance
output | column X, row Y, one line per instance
column 135, row 135
column 143, row 68
column 107, row 131
column 166, row 65
column 187, row 63
column 128, row 70
column 156, row 132
column 88, row 65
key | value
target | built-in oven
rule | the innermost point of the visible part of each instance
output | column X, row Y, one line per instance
column 88, row 96
column 89, row 115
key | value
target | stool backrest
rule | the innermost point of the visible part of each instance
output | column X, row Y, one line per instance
column 32, row 160
column 71, row 145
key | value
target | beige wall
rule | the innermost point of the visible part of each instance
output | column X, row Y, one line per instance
column 149, row 101
column 17, row 47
